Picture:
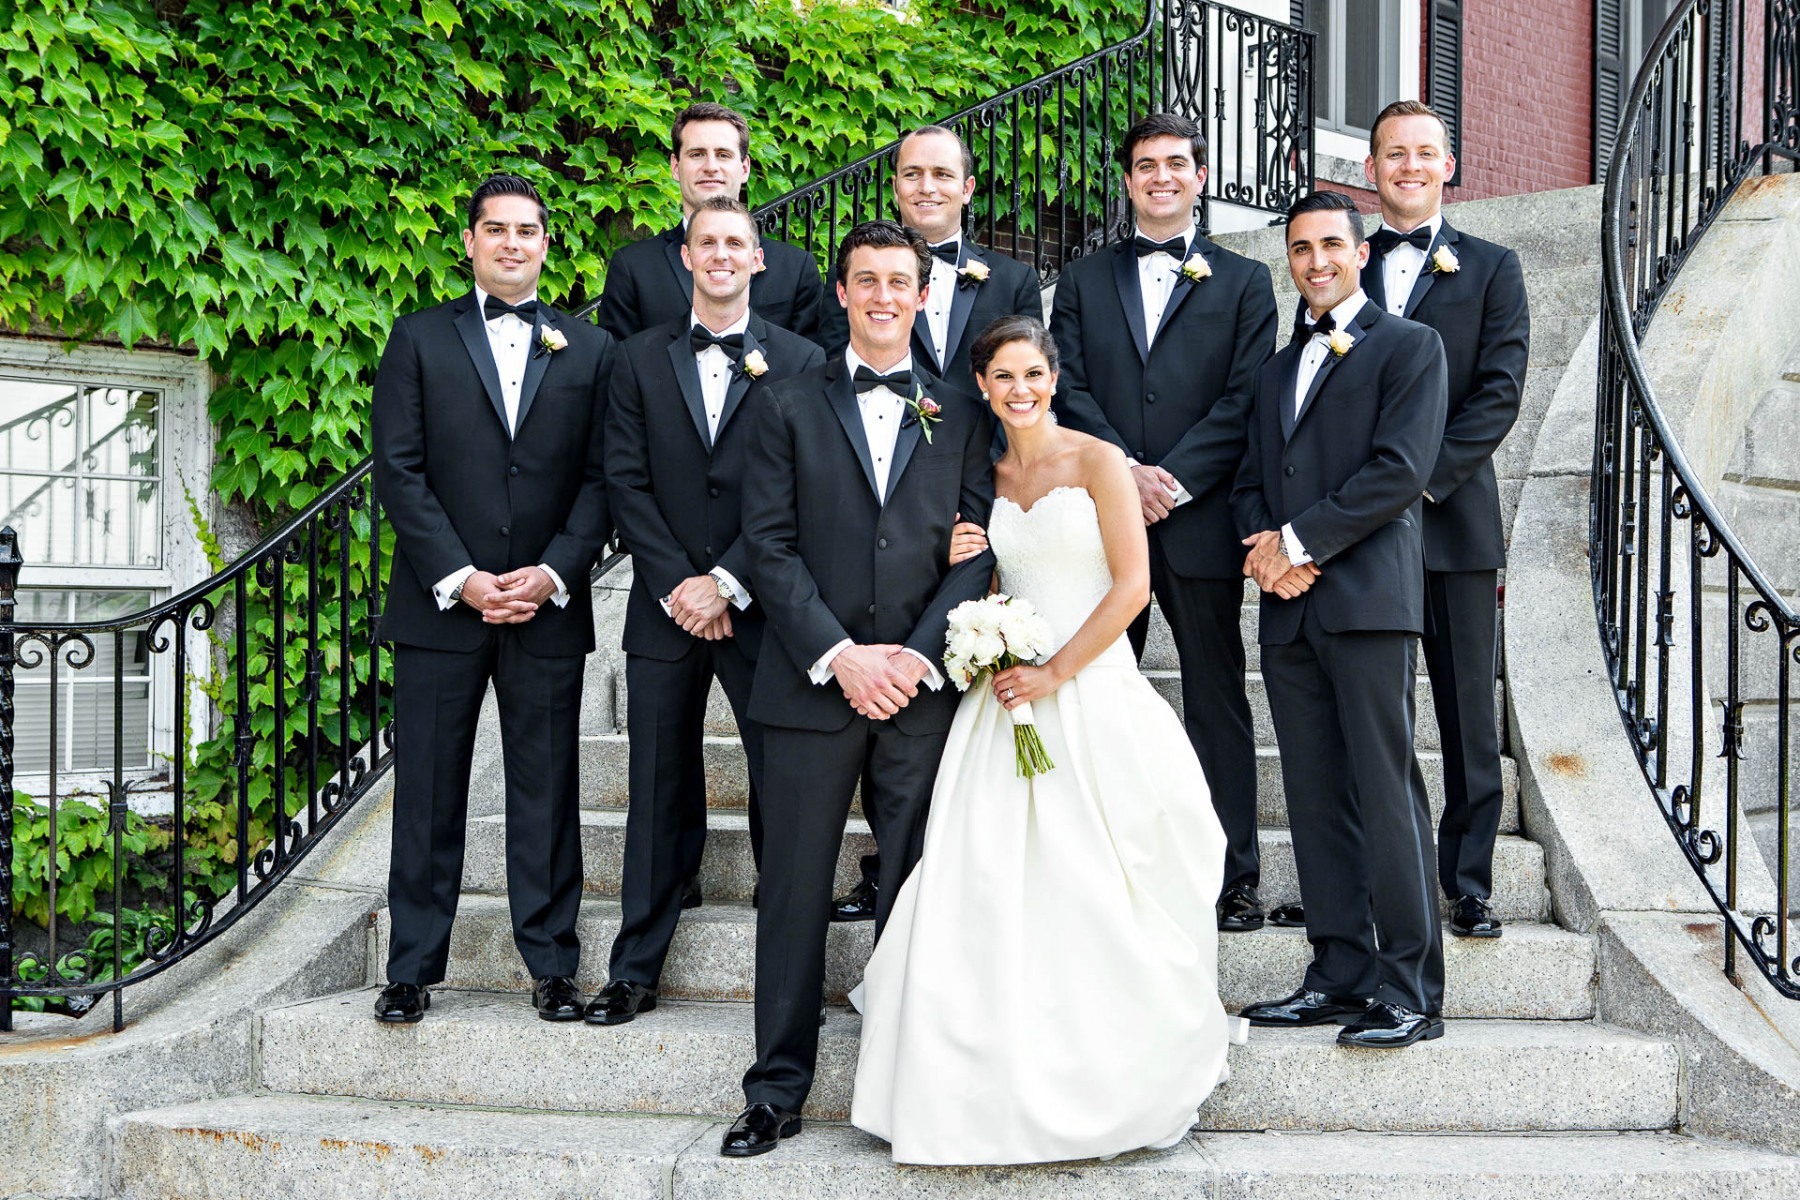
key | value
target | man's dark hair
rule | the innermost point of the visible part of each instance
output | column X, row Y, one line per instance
column 885, row 235
column 725, row 204
column 1004, row 332
column 708, row 111
column 1161, row 125
column 1330, row 202
column 968, row 156
column 506, row 185
column 1406, row 108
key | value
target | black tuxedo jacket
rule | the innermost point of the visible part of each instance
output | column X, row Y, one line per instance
column 647, row 286
column 1481, row 313
column 1348, row 473
column 1183, row 402
column 831, row 561
column 459, row 490
column 1011, row 289
column 676, row 491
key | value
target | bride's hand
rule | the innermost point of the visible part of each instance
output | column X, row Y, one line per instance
column 967, row 540
column 1021, row 685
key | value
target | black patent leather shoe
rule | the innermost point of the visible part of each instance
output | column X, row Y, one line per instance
column 1388, row 1027
column 758, row 1130
column 857, row 904
column 690, row 893
column 556, row 998
column 1304, row 1008
column 1240, row 909
column 1288, row 916
column 1471, row 917
column 618, row 1002
column 402, row 1004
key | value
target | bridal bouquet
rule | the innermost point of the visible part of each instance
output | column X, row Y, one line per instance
column 991, row 635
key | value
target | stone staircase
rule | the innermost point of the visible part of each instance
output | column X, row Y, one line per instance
column 1530, row 1094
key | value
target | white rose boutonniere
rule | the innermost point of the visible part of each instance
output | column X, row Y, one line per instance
column 754, row 365
column 1445, row 262
column 972, row 273
column 1340, row 342
column 1196, row 268
column 550, row 340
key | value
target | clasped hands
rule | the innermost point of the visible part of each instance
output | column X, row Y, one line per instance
column 1268, row 564
column 509, row 599
column 878, row 680
column 1156, row 491
column 697, row 607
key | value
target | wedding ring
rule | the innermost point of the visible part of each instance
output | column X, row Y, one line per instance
column 1009, row 693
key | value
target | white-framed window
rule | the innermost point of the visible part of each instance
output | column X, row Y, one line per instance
column 1366, row 56
column 103, row 451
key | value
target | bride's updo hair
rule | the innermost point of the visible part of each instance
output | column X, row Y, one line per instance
column 1007, row 330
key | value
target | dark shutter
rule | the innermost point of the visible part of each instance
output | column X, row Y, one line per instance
column 1444, row 72
column 1297, row 13
column 1612, row 79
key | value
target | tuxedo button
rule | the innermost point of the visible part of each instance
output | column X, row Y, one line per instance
column 512, row 470
column 706, row 550
column 1150, row 398
column 882, row 543
column 871, row 610
column 1287, row 470
column 712, row 491
column 505, row 532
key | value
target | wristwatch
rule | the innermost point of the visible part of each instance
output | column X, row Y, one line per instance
column 724, row 588
column 456, row 593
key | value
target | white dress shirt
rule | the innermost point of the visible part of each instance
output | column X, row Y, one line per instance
column 715, row 380
column 1312, row 357
column 882, row 411
column 1402, row 266
column 939, row 299
column 1157, row 276
column 509, row 338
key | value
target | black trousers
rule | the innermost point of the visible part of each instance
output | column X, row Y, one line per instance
column 437, row 702
column 1203, row 615
column 665, row 829
column 1461, row 648
column 810, row 777
column 1343, row 708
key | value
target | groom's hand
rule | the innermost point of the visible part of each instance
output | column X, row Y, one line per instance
column 695, row 603
column 871, row 681
column 1296, row 581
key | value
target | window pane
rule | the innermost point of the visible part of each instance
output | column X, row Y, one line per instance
column 42, row 508
column 1362, row 62
column 119, row 526
column 37, row 425
column 120, row 431
column 1318, row 19
column 84, row 702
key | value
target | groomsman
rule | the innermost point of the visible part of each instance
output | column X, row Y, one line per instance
column 971, row 288
column 1161, row 338
column 487, row 447
column 854, row 485
column 677, row 437
column 1345, row 429
column 648, row 284
column 1473, row 293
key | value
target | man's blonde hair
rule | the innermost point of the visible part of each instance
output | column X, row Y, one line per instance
column 1406, row 108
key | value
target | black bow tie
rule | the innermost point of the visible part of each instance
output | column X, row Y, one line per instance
column 1303, row 332
column 949, row 251
column 1175, row 248
column 732, row 343
column 494, row 307
column 867, row 380
column 1384, row 239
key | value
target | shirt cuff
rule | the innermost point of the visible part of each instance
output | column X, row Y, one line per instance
column 820, row 672
column 1179, row 493
column 1290, row 545
column 442, row 588
column 740, row 599
column 560, row 597
column 1431, row 497
column 933, row 679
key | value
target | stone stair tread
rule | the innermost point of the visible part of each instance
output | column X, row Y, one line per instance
column 727, row 872
column 687, row 1058
column 230, row 1147
column 1535, row 972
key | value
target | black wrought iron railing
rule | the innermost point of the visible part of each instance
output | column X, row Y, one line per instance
column 1046, row 187
column 1700, row 644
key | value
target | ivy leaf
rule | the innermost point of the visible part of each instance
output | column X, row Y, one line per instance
column 441, row 13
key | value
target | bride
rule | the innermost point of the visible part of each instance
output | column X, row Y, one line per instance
column 1046, row 987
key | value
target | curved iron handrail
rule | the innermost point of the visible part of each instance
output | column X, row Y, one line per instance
column 1680, row 155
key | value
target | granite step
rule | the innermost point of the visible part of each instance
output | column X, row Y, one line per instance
column 727, row 871
column 490, row 1049
column 604, row 758
column 229, row 1149
column 1535, row 971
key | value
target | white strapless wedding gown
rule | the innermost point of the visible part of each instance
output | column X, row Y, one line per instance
column 1046, row 987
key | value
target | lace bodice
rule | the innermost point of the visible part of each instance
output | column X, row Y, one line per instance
column 1052, row 555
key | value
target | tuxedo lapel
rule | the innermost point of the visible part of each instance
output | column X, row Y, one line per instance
column 921, row 340
column 740, row 378
column 1354, row 329
column 1374, row 281
column 1428, row 277
column 687, row 374
column 1183, row 285
column 537, row 361
column 962, row 303
column 1131, row 296
column 840, row 391
column 1290, row 372
column 907, row 439
column 473, row 331
column 684, row 278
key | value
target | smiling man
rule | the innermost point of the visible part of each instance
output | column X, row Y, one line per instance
column 1161, row 338
column 649, row 284
column 1343, row 436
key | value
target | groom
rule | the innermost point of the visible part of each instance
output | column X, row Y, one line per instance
column 857, row 472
